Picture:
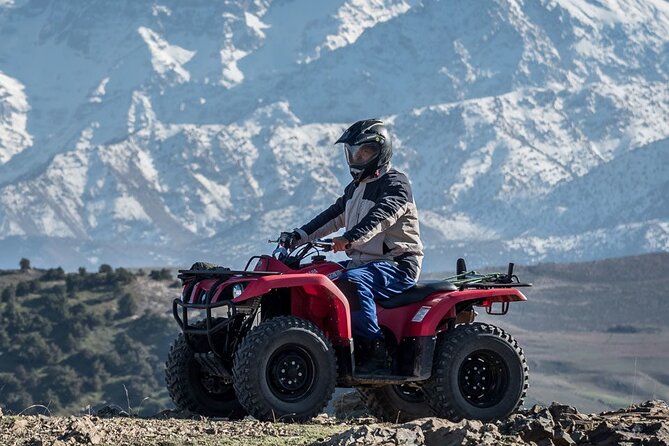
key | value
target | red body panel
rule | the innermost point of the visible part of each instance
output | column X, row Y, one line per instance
column 440, row 306
column 313, row 297
column 316, row 298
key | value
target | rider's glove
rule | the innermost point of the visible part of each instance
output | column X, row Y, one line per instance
column 290, row 239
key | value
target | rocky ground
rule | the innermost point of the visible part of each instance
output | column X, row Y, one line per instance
column 643, row 424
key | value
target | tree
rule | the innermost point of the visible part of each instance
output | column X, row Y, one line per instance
column 82, row 271
column 105, row 269
column 124, row 276
column 53, row 274
column 24, row 264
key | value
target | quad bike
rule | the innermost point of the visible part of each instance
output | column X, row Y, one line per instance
column 274, row 341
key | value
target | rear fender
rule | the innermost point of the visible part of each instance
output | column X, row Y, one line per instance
column 431, row 312
column 313, row 297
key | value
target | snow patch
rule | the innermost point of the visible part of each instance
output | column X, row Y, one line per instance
column 14, row 107
column 356, row 16
column 127, row 208
column 99, row 91
column 167, row 60
column 156, row 10
column 253, row 22
column 231, row 74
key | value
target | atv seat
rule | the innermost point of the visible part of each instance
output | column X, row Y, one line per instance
column 417, row 293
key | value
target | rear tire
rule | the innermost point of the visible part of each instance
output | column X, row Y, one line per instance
column 396, row 403
column 479, row 372
column 285, row 370
column 194, row 390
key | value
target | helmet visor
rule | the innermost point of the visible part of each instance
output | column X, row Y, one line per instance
column 361, row 154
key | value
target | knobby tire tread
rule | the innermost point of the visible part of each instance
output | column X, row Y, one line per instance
column 447, row 344
column 246, row 359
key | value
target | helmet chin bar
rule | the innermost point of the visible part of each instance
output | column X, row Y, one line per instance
column 359, row 172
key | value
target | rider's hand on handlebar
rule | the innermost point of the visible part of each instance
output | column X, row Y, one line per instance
column 289, row 239
column 340, row 244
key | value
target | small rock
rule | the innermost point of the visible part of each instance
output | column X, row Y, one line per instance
column 377, row 435
column 18, row 425
column 561, row 438
column 82, row 430
column 536, row 409
column 170, row 413
column 560, row 411
column 111, row 412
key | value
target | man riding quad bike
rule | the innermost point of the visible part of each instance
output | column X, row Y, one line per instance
column 382, row 237
column 274, row 341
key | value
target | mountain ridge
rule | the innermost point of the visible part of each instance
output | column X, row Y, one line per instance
column 174, row 133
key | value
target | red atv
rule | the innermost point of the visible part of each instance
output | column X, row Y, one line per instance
column 273, row 342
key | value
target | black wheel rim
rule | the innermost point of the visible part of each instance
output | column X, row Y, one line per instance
column 408, row 393
column 483, row 378
column 291, row 373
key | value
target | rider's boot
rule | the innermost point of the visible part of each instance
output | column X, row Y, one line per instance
column 372, row 357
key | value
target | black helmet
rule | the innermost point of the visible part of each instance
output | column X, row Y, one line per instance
column 368, row 147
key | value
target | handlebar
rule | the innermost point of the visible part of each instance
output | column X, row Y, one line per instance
column 325, row 244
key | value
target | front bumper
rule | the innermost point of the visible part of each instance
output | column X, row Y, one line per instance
column 208, row 327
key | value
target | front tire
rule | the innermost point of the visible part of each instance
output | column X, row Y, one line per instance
column 285, row 370
column 479, row 372
column 396, row 403
column 194, row 390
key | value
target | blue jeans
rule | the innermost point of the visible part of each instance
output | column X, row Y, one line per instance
column 363, row 285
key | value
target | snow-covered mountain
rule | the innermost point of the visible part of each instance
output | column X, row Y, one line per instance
column 153, row 133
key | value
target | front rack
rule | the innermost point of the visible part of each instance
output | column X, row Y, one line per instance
column 181, row 307
column 218, row 272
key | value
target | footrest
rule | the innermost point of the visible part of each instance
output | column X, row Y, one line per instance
column 380, row 378
column 213, row 365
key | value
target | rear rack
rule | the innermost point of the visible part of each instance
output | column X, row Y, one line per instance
column 495, row 285
column 471, row 279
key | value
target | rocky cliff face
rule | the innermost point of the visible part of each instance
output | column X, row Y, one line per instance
column 164, row 132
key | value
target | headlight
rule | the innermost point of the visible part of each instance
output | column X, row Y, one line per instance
column 237, row 290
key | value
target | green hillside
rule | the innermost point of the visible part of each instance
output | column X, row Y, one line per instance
column 70, row 341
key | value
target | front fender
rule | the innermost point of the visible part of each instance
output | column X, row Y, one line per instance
column 313, row 297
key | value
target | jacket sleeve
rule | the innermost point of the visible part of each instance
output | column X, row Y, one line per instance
column 392, row 205
column 325, row 223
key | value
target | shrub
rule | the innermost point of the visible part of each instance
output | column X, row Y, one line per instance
column 127, row 305
column 22, row 289
column 7, row 294
column 34, row 286
column 123, row 276
column 163, row 274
